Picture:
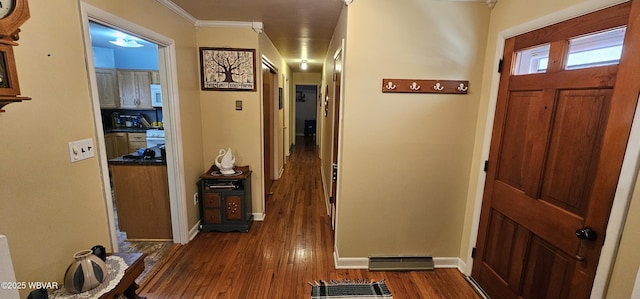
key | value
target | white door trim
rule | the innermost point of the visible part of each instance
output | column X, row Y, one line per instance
column 175, row 163
column 630, row 163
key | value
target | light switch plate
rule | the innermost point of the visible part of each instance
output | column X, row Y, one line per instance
column 81, row 149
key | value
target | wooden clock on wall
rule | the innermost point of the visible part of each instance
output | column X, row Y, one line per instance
column 13, row 13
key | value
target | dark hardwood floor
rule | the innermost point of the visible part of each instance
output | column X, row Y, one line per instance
column 279, row 256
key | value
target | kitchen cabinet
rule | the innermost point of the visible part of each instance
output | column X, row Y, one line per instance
column 134, row 87
column 108, row 88
column 225, row 203
column 141, row 195
column 136, row 141
column 117, row 144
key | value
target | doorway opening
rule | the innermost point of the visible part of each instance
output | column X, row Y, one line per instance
column 129, row 90
column 306, row 112
column 172, row 171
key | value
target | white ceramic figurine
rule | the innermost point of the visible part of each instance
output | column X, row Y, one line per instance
column 225, row 161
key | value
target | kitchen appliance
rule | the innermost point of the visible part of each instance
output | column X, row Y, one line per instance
column 156, row 95
column 155, row 137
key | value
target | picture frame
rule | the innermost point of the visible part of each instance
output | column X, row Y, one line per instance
column 9, row 85
column 227, row 69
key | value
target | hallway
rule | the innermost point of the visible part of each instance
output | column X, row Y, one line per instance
column 279, row 256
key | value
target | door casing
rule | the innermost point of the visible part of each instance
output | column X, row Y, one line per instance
column 630, row 163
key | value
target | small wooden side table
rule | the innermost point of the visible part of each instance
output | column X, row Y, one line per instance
column 128, row 285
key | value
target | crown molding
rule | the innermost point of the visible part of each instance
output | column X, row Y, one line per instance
column 258, row 27
column 178, row 10
column 490, row 3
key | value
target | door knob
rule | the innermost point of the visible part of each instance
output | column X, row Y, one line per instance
column 586, row 233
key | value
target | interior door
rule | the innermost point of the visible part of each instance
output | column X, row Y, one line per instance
column 337, row 79
column 268, row 127
column 558, row 143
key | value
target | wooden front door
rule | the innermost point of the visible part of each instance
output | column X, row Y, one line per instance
column 557, row 147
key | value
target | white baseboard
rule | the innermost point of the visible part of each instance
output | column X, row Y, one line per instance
column 363, row 262
column 258, row 216
column 193, row 232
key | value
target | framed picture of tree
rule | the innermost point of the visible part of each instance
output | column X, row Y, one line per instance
column 228, row 69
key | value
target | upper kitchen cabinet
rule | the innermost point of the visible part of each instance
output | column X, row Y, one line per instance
column 134, row 86
column 108, row 88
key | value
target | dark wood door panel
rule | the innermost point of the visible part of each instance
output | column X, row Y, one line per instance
column 493, row 284
column 578, row 128
column 526, row 112
column 506, row 247
column 559, row 226
column 500, row 244
column 550, row 270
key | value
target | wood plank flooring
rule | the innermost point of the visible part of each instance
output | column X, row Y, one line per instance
column 279, row 256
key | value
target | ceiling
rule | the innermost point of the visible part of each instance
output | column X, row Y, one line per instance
column 299, row 29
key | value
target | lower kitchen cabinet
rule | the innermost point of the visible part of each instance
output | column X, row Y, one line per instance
column 117, row 144
column 225, row 203
column 141, row 193
column 136, row 141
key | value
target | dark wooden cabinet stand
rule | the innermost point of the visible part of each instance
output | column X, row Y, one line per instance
column 225, row 200
column 128, row 286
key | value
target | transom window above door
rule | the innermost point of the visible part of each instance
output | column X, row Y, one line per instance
column 591, row 50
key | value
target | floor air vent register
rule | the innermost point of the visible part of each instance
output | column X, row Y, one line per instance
column 401, row 263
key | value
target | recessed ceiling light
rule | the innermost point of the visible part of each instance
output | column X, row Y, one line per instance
column 303, row 65
column 126, row 43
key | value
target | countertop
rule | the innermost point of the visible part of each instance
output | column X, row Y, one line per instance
column 126, row 130
column 134, row 159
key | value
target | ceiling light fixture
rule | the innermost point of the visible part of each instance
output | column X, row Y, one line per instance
column 303, row 65
column 126, row 42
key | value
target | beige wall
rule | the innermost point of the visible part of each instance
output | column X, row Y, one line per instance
column 325, row 124
column 627, row 262
column 51, row 208
column 510, row 18
column 406, row 157
column 222, row 125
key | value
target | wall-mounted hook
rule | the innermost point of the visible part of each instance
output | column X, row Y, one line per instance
column 438, row 87
column 390, row 86
column 462, row 87
column 414, row 86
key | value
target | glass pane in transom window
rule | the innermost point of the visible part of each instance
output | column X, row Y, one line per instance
column 532, row 60
column 596, row 49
